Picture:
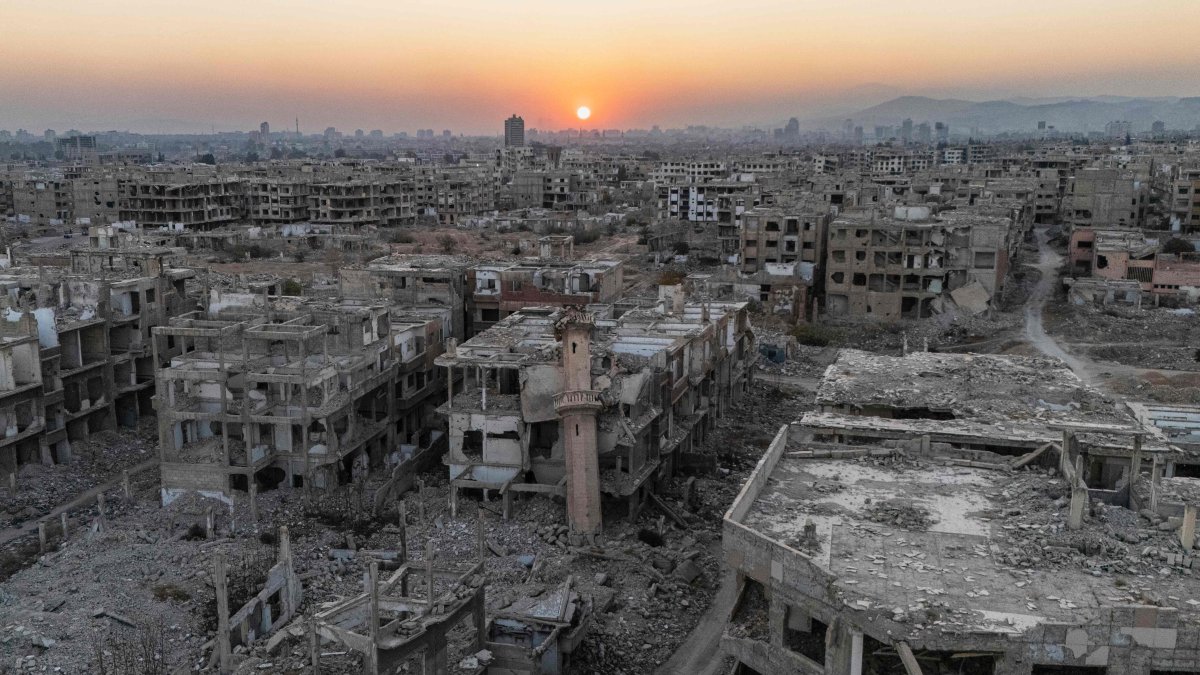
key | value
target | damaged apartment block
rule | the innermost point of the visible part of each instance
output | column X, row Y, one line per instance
column 963, row 514
column 283, row 392
column 913, row 265
column 77, row 345
column 581, row 403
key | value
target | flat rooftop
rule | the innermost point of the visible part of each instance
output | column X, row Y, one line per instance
column 978, row 389
column 940, row 548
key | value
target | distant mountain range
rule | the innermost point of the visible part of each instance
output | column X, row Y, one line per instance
column 1023, row 114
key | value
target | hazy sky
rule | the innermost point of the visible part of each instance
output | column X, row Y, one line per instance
column 175, row 65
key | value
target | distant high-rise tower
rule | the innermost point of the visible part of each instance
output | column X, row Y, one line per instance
column 264, row 130
column 792, row 129
column 514, row 132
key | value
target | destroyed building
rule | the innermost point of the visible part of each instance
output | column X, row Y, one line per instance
column 182, row 201
column 78, row 348
column 414, row 280
column 625, row 398
column 914, row 265
column 500, row 289
column 1102, row 197
column 280, row 392
column 1118, row 258
column 963, row 514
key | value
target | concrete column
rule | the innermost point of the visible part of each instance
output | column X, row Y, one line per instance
column 435, row 657
column 1079, row 497
column 1135, row 462
column 314, row 645
column 1154, row 481
column 224, row 653
column 776, row 617
column 1187, row 532
column 371, row 659
column 856, row 652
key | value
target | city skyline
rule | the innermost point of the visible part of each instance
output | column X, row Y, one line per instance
column 129, row 64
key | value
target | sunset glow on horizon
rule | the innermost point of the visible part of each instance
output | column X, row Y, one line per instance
column 166, row 66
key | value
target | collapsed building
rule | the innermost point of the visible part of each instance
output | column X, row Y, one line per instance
column 1126, row 264
column 500, row 289
column 580, row 403
column 414, row 280
column 913, row 265
column 78, row 353
column 963, row 514
column 287, row 392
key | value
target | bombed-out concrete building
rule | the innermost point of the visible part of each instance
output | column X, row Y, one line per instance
column 963, row 514
column 581, row 403
column 914, row 265
column 414, row 280
column 78, row 348
column 182, row 201
column 500, row 289
column 275, row 392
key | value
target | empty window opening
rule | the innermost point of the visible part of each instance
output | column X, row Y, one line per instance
column 804, row 635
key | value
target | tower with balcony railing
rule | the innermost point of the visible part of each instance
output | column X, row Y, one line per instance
column 578, row 406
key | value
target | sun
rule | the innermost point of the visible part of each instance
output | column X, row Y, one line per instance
column 583, row 112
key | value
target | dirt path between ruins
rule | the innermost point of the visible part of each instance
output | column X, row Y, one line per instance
column 700, row 653
column 29, row 527
column 1091, row 372
column 1035, row 333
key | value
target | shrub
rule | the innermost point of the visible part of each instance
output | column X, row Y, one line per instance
column 292, row 287
column 398, row 237
column 447, row 243
column 671, row 278
column 812, row 336
column 1177, row 245
column 166, row 592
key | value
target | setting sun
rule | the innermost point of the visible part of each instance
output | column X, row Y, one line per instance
column 583, row 112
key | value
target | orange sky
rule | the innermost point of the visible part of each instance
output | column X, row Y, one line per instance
column 467, row 64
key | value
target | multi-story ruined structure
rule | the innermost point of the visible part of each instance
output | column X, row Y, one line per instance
column 1109, row 198
column 1184, row 199
column 913, row 265
column 412, row 281
column 269, row 392
column 182, row 201
column 501, row 289
column 79, row 348
column 1121, row 256
column 654, row 381
column 273, row 201
column 781, row 235
column 361, row 202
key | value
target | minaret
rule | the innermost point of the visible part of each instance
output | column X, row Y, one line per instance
column 577, row 406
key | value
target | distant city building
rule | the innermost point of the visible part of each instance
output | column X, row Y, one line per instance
column 78, row 148
column 514, row 132
column 1118, row 129
column 264, row 130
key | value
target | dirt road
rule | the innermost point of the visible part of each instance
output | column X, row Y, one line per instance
column 700, row 654
column 1035, row 333
column 1090, row 371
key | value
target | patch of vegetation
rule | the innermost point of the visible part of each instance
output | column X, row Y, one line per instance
column 292, row 287
column 812, row 335
column 165, row 592
column 671, row 278
column 1177, row 246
